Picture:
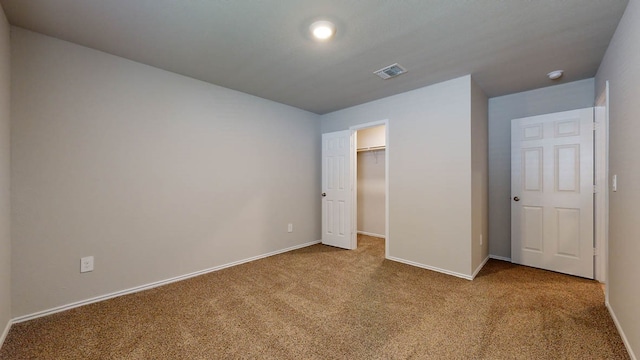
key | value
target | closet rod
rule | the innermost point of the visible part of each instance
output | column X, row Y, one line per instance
column 371, row 148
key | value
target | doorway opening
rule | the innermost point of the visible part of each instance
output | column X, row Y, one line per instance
column 370, row 179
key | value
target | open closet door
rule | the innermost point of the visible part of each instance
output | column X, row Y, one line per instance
column 336, row 189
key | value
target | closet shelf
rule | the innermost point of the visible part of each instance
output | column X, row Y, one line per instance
column 371, row 148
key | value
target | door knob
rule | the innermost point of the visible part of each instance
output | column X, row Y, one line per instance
column 516, row 198
column 324, row 194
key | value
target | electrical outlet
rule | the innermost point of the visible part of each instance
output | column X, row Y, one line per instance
column 480, row 239
column 86, row 264
column 290, row 228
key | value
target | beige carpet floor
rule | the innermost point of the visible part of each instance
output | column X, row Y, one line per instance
column 324, row 303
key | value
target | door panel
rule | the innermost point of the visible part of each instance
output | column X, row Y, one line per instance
column 568, row 237
column 532, row 169
column 532, row 234
column 336, row 189
column 567, row 172
column 552, row 192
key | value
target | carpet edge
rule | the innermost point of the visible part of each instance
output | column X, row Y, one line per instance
column 151, row 285
column 501, row 258
column 484, row 262
column 371, row 234
column 3, row 337
column 432, row 268
column 622, row 334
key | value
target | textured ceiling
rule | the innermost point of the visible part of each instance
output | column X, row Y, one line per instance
column 263, row 47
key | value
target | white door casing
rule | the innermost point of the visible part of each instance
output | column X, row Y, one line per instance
column 552, row 192
column 354, row 178
column 601, row 202
column 336, row 189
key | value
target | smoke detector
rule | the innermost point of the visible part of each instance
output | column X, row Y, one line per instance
column 390, row 71
column 555, row 74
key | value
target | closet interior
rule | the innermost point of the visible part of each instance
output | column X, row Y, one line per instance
column 371, row 187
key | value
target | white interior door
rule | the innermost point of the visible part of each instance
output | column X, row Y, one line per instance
column 336, row 189
column 552, row 192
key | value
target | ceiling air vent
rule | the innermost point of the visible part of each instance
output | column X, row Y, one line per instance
column 390, row 71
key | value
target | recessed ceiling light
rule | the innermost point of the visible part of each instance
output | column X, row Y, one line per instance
column 555, row 75
column 322, row 30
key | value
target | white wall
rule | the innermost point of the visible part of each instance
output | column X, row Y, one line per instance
column 155, row 174
column 5, row 231
column 479, row 177
column 371, row 191
column 621, row 66
column 429, row 171
column 569, row 96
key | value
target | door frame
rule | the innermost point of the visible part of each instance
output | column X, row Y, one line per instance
column 601, row 177
column 354, row 182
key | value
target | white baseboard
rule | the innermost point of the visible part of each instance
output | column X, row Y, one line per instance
column 371, row 234
column 5, row 333
column 484, row 262
column 501, row 258
column 432, row 268
column 153, row 284
column 622, row 334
